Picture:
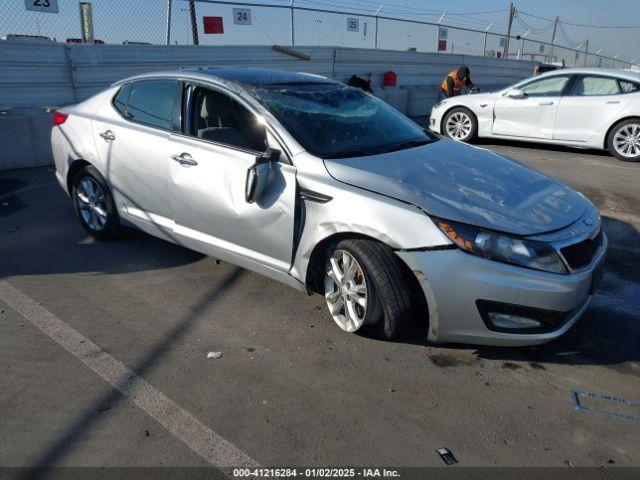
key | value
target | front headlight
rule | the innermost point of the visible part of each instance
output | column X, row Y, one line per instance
column 503, row 247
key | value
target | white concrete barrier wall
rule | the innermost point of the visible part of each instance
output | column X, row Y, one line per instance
column 42, row 75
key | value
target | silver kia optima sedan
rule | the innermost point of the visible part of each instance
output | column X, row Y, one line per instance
column 326, row 188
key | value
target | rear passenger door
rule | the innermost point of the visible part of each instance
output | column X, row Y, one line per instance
column 591, row 104
column 208, row 171
column 131, row 138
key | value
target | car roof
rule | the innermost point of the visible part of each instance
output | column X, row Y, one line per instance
column 611, row 72
column 242, row 76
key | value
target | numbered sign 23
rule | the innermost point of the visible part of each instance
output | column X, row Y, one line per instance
column 47, row 6
column 242, row 16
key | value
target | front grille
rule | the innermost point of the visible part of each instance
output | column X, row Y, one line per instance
column 581, row 254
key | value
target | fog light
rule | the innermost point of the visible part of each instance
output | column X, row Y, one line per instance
column 509, row 318
column 504, row 320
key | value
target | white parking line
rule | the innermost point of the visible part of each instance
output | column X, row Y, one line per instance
column 194, row 434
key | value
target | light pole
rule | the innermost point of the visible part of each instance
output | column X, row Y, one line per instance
column 486, row 32
column 318, row 22
column 522, row 46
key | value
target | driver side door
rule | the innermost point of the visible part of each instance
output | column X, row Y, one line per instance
column 208, row 170
column 534, row 115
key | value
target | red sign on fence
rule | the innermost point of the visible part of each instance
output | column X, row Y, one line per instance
column 442, row 45
column 213, row 25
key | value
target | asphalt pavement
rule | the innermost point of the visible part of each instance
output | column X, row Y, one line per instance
column 103, row 355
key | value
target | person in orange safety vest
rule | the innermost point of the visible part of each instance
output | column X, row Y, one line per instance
column 454, row 81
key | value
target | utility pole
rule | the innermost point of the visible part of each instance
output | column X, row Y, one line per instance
column 586, row 52
column 168, row 33
column 512, row 12
column 194, row 22
column 553, row 38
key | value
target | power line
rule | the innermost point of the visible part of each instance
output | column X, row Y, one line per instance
column 579, row 24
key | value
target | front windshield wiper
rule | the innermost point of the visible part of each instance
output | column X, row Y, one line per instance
column 409, row 144
column 347, row 154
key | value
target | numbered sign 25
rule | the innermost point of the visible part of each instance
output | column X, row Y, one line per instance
column 353, row 24
column 242, row 16
column 47, row 6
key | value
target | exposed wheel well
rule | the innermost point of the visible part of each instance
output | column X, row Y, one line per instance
column 315, row 272
column 444, row 115
column 73, row 169
column 606, row 137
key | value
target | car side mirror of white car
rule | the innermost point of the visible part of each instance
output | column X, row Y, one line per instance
column 515, row 93
column 258, row 175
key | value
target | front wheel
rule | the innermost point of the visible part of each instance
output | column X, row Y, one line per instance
column 365, row 288
column 624, row 141
column 460, row 124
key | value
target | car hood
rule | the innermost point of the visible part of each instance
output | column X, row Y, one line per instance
column 467, row 184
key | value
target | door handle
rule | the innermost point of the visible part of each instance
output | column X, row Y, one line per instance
column 108, row 136
column 546, row 103
column 184, row 159
column 613, row 102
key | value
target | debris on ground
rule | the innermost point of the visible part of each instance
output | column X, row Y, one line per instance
column 447, row 456
column 214, row 355
column 569, row 463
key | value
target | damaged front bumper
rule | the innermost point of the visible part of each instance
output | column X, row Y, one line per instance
column 458, row 286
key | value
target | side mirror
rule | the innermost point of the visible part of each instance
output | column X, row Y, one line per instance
column 258, row 175
column 515, row 93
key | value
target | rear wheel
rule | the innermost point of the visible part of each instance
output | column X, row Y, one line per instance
column 94, row 205
column 460, row 124
column 365, row 289
column 624, row 140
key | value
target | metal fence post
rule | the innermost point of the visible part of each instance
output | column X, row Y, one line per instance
column 375, row 43
column 293, row 36
column 168, row 34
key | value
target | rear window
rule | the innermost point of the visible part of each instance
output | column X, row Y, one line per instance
column 592, row 86
column 150, row 102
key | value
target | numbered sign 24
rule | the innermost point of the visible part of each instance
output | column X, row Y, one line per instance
column 47, row 6
column 242, row 16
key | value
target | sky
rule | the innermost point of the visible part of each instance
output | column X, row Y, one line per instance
column 145, row 21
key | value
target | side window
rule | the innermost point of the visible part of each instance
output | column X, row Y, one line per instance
column 629, row 87
column 219, row 118
column 546, row 87
column 591, row 86
column 121, row 100
column 151, row 102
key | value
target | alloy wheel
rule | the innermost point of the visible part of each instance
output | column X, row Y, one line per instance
column 346, row 291
column 458, row 126
column 91, row 203
column 626, row 141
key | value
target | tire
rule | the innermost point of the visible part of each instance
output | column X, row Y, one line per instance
column 624, row 140
column 387, row 294
column 460, row 124
column 94, row 205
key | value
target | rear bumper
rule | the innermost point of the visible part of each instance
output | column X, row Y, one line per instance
column 453, row 281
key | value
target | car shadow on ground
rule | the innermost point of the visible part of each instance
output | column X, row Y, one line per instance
column 491, row 142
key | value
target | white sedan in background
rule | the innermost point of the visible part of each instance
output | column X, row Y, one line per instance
column 589, row 108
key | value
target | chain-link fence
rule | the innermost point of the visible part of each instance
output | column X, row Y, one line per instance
column 215, row 22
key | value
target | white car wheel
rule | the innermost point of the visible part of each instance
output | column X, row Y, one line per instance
column 460, row 124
